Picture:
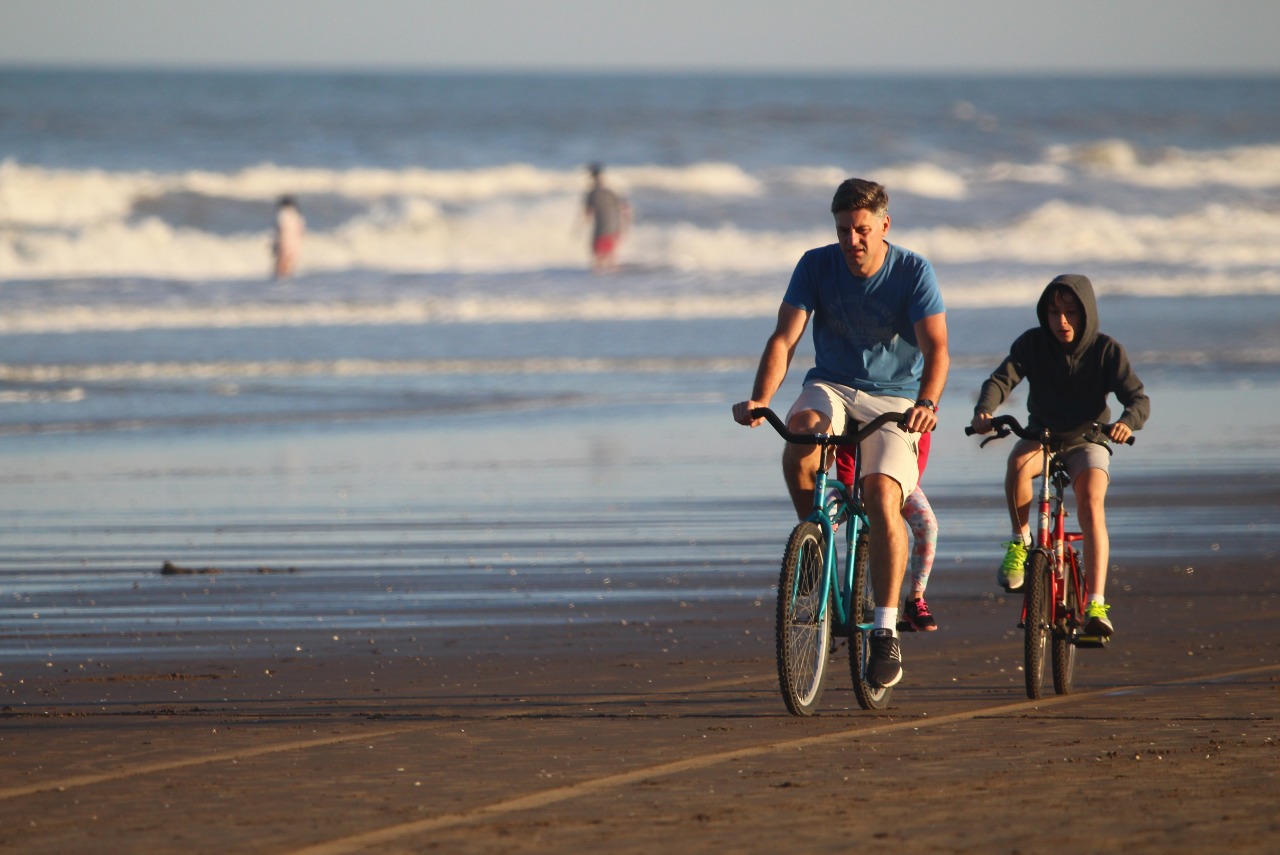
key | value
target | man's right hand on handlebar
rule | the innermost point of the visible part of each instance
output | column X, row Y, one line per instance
column 742, row 413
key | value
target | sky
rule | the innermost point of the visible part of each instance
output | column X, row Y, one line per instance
column 899, row 36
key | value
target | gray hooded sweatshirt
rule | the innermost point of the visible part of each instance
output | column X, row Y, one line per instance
column 1068, row 388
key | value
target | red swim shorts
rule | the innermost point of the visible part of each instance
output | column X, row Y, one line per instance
column 606, row 244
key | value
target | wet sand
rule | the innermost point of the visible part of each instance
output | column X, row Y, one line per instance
column 630, row 734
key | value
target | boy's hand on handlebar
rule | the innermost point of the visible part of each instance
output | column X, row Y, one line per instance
column 1120, row 432
column 981, row 423
column 742, row 413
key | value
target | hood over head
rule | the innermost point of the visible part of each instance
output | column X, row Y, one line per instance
column 1083, row 289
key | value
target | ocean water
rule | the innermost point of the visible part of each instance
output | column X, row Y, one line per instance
column 445, row 393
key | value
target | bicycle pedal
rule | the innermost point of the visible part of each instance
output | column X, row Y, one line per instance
column 1091, row 641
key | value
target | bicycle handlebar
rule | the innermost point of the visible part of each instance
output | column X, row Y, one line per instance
column 1005, row 425
column 823, row 438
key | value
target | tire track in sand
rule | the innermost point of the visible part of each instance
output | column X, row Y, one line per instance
column 357, row 842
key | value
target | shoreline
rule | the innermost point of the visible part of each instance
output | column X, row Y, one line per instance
column 350, row 531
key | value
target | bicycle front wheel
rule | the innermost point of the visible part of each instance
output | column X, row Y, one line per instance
column 1039, row 602
column 863, row 608
column 1064, row 648
column 804, row 627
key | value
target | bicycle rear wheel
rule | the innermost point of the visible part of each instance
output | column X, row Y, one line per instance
column 1039, row 601
column 1064, row 648
column 803, row 627
column 863, row 610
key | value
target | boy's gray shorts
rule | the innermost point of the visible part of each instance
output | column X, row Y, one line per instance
column 1077, row 459
column 1087, row 456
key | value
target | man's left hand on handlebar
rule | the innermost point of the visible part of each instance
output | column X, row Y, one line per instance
column 920, row 419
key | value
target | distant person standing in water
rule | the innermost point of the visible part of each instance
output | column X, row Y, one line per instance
column 610, row 215
column 290, row 226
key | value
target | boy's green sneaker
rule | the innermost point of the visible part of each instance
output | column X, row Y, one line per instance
column 1011, row 573
column 1096, row 621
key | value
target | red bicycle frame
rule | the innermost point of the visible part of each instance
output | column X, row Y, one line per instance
column 1052, row 538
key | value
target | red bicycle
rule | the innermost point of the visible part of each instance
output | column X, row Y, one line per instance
column 1055, row 591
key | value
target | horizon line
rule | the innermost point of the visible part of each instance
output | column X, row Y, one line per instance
column 1067, row 72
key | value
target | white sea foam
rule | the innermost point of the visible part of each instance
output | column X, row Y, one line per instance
column 251, row 370
column 633, row 297
column 918, row 179
column 28, row 396
column 518, row 218
column 548, row 234
column 232, row 373
column 35, row 196
column 1213, row 237
column 444, row 310
column 1173, row 168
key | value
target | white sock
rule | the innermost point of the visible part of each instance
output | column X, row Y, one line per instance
column 1098, row 598
column 1023, row 535
column 887, row 618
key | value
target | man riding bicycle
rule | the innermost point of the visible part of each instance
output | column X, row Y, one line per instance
column 1071, row 368
column 880, row 343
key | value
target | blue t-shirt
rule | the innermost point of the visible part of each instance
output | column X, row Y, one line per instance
column 864, row 328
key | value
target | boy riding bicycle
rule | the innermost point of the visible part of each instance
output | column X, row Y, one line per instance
column 1071, row 368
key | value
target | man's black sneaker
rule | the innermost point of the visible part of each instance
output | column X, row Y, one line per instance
column 884, row 667
column 916, row 617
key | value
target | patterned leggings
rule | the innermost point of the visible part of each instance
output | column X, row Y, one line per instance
column 924, row 533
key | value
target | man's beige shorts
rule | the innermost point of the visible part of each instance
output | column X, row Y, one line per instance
column 889, row 451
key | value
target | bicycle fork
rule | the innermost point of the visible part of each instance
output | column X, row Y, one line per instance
column 1050, row 540
column 836, row 578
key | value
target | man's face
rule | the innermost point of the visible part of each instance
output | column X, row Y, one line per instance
column 861, row 236
column 1065, row 318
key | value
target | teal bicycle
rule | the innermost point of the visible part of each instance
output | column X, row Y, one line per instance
column 818, row 596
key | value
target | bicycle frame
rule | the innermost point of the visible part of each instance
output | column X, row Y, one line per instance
column 1052, row 538
column 840, row 585
column 837, row 586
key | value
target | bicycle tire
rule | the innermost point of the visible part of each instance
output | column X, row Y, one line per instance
column 803, row 636
column 1064, row 648
column 863, row 609
column 1039, row 602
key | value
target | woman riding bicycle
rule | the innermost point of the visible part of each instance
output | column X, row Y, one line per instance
column 1071, row 368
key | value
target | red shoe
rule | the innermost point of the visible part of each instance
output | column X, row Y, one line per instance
column 916, row 617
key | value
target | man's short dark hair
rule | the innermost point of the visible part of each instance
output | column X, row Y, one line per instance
column 858, row 194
